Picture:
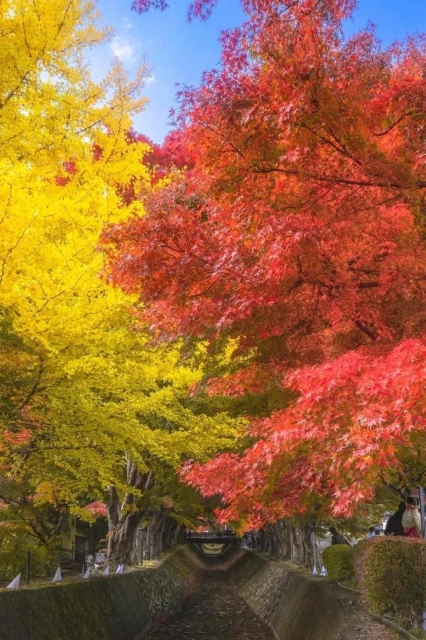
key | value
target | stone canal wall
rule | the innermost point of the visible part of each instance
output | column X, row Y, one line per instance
column 166, row 587
column 118, row 607
column 296, row 605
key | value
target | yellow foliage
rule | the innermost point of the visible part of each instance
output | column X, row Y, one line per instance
column 99, row 393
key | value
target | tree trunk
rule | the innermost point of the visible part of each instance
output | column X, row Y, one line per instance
column 288, row 541
column 171, row 533
column 301, row 551
column 123, row 542
column 124, row 520
column 155, row 532
column 113, row 510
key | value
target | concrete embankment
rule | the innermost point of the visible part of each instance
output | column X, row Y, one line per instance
column 295, row 605
column 214, row 611
column 241, row 589
column 118, row 607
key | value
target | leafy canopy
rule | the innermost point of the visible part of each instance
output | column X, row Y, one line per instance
column 84, row 390
column 299, row 231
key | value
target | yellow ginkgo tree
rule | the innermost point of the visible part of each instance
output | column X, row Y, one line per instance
column 91, row 406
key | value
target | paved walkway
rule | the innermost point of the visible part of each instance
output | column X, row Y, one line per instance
column 214, row 612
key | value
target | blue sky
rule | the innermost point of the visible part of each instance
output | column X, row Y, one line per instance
column 178, row 52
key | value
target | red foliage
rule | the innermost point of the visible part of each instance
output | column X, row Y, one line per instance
column 253, row 379
column 97, row 152
column 356, row 418
column 98, row 509
column 70, row 168
column 202, row 9
column 173, row 153
column 199, row 9
column 298, row 219
column 300, row 224
column 160, row 160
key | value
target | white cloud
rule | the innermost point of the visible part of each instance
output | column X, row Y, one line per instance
column 121, row 48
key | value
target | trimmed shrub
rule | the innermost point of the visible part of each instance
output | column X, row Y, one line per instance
column 339, row 562
column 391, row 572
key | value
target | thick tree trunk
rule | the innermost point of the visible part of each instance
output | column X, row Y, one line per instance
column 301, row 548
column 156, row 529
column 124, row 519
column 172, row 533
column 291, row 542
column 123, row 542
column 277, row 539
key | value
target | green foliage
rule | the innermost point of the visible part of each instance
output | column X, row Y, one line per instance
column 255, row 405
column 392, row 575
column 339, row 562
column 14, row 546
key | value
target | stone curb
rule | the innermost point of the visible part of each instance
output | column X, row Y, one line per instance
column 348, row 588
column 388, row 623
column 391, row 625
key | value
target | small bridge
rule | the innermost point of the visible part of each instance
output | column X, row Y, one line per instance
column 212, row 537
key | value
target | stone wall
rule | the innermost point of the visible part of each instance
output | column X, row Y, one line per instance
column 166, row 587
column 108, row 608
column 295, row 605
column 118, row 607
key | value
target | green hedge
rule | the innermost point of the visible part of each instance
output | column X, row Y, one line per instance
column 339, row 562
column 391, row 572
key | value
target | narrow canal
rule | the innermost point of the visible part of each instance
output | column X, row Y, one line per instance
column 214, row 611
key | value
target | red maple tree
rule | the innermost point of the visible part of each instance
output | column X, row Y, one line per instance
column 300, row 229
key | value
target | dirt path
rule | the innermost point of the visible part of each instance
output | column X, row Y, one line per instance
column 214, row 611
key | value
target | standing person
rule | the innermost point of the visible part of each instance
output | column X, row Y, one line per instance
column 100, row 558
column 337, row 538
column 411, row 519
column 394, row 524
column 257, row 541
